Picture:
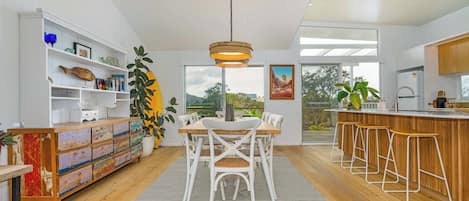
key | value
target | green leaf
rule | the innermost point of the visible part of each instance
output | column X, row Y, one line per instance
column 130, row 66
column 364, row 93
column 341, row 95
column 375, row 95
column 150, row 82
column 171, row 109
column 171, row 118
column 355, row 100
column 173, row 101
column 136, row 50
column 132, row 83
column 359, row 85
column 147, row 59
column 345, row 86
column 141, row 51
column 373, row 90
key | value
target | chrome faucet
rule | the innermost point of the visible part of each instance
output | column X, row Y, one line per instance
column 396, row 101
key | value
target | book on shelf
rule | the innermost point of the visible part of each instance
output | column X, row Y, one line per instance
column 115, row 83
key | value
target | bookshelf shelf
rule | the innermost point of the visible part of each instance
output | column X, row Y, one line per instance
column 76, row 58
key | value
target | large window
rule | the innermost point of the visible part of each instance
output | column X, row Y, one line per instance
column 358, row 72
column 464, row 87
column 328, row 41
column 207, row 88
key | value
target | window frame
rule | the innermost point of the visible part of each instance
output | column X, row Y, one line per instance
column 223, row 81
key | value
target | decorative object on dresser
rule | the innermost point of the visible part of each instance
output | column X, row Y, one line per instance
column 80, row 72
column 50, row 38
column 353, row 94
column 282, row 82
column 113, row 61
column 73, row 155
column 82, row 50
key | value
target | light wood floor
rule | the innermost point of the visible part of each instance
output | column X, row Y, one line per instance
column 313, row 162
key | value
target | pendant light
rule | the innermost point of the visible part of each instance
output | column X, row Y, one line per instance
column 231, row 53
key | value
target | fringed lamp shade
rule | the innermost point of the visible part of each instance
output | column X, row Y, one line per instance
column 231, row 53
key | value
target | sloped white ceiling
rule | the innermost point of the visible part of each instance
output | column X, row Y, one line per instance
column 397, row 12
column 194, row 24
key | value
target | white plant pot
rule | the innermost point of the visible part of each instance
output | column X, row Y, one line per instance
column 148, row 144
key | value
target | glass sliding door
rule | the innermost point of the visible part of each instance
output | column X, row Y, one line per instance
column 318, row 94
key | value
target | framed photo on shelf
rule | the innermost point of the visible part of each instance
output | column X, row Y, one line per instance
column 282, row 81
column 82, row 50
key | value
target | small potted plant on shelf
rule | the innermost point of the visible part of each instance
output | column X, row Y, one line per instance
column 141, row 96
column 353, row 94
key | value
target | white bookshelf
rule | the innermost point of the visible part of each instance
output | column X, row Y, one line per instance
column 47, row 95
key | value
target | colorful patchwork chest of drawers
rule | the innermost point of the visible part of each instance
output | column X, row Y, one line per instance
column 72, row 156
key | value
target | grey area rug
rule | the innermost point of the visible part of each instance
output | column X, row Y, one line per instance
column 290, row 185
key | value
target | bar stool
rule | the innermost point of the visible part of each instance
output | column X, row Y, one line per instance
column 365, row 149
column 334, row 149
column 417, row 135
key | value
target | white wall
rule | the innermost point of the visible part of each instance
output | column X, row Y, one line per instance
column 98, row 17
column 169, row 70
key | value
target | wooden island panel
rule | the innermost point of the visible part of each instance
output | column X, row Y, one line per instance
column 453, row 142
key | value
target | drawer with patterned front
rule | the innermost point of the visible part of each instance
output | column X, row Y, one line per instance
column 73, row 139
column 121, row 143
column 72, row 159
column 103, row 150
column 74, row 179
column 136, row 125
column 121, row 128
column 136, row 151
column 121, row 158
column 103, row 167
column 136, row 138
column 101, row 133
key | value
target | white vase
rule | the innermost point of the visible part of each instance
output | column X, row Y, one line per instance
column 148, row 144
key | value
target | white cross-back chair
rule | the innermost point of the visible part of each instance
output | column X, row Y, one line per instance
column 265, row 116
column 232, row 161
column 192, row 142
column 195, row 117
column 220, row 114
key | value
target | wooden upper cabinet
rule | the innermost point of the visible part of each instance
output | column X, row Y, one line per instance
column 453, row 57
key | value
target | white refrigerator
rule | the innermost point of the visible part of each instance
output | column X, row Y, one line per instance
column 410, row 90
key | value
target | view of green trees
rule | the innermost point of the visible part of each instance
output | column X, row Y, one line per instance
column 248, row 104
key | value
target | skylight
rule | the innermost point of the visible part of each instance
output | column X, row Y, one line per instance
column 312, row 52
column 331, row 41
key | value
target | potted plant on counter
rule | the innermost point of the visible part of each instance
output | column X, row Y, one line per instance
column 356, row 94
column 6, row 139
column 141, row 97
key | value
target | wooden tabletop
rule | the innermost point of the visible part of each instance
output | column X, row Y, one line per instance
column 10, row 171
column 198, row 128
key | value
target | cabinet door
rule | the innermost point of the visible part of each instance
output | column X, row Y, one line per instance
column 73, row 139
column 453, row 57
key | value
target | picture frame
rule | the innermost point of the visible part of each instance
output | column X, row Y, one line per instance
column 82, row 50
column 282, row 82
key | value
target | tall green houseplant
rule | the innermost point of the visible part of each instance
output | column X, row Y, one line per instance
column 141, row 94
column 354, row 93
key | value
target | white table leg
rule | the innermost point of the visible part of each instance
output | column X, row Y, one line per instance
column 193, row 169
column 266, row 169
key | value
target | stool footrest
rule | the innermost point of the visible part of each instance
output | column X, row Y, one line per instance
column 432, row 174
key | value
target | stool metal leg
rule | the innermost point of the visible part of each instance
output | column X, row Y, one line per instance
column 442, row 168
column 333, row 142
column 342, row 147
column 363, row 149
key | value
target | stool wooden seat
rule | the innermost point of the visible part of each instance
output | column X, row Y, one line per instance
column 409, row 134
column 371, row 126
column 348, row 122
column 413, row 133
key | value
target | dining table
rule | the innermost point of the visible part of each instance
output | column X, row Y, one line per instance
column 200, row 132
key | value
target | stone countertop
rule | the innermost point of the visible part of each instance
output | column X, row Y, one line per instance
column 445, row 114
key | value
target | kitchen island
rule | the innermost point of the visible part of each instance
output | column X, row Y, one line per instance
column 453, row 130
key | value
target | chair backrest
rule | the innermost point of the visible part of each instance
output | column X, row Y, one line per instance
column 276, row 120
column 195, row 117
column 185, row 120
column 265, row 116
column 243, row 131
column 220, row 114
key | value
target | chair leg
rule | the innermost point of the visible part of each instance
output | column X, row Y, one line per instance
column 333, row 147
column 342, row 147
column 222, row 189
column 387, row 162
column 251, row 183
column 442, row 168
column 212, row 186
